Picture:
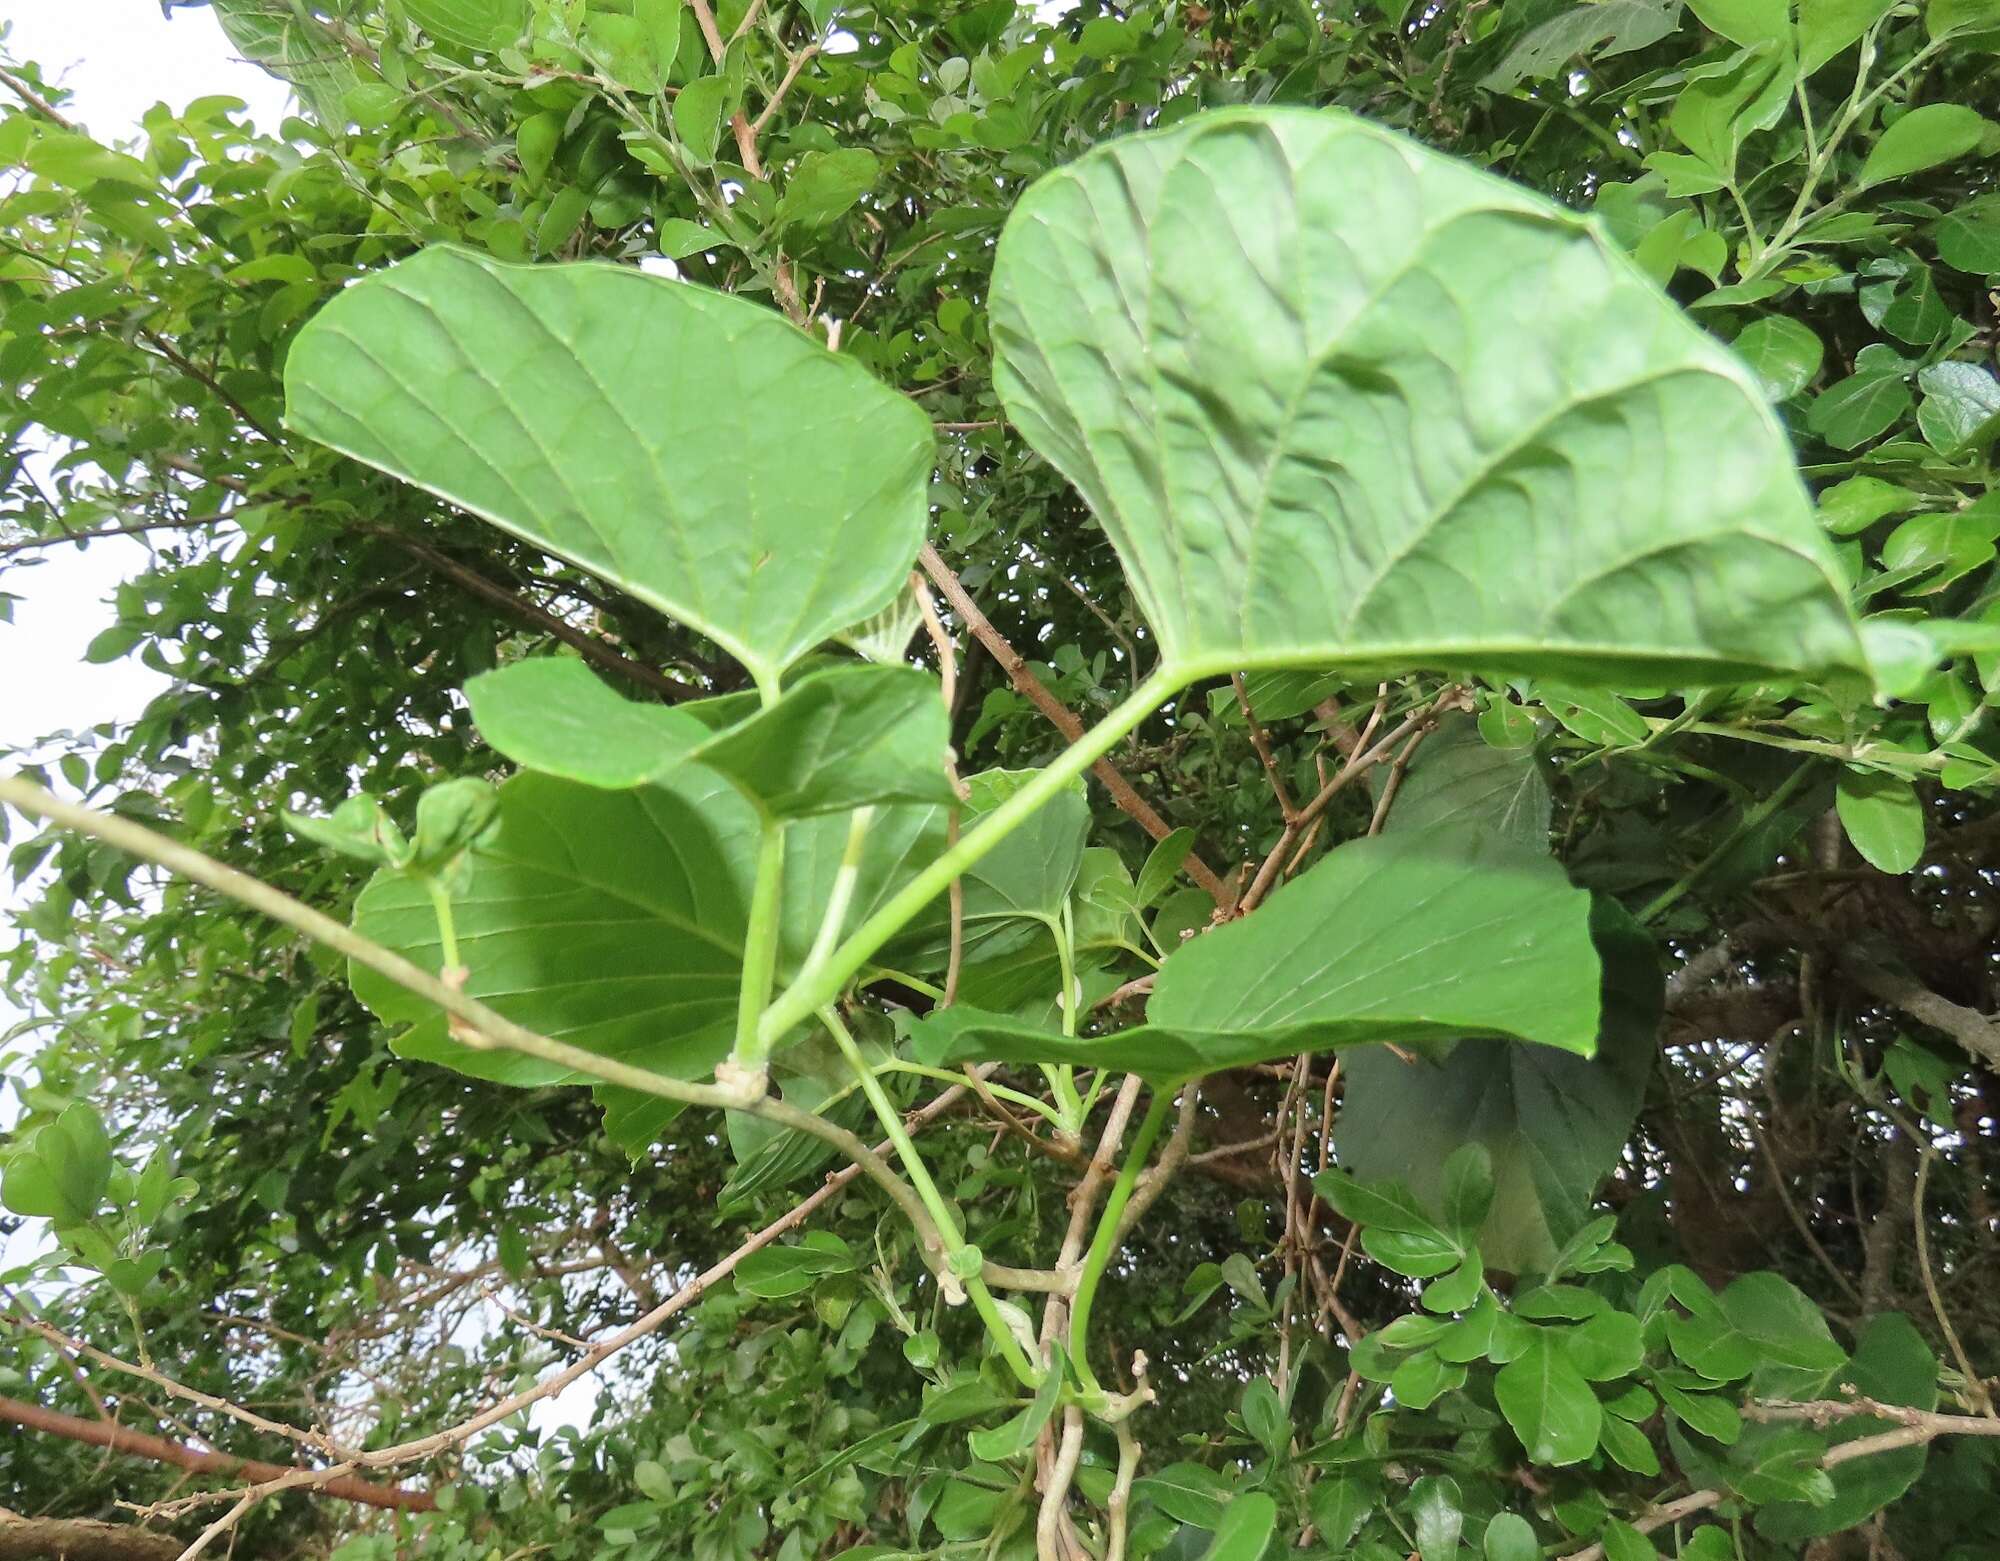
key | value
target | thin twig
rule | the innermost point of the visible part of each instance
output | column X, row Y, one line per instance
column 1260, row 741
column 34, row 99
column 1364, row 759
column 133, row 529
column 474, row 1024
column 1059, row 715
column 223, row 1524
column 315, row 1440
column 947, row 654
column 798, row 63
column 1805, row 1230
column 1055, row 1488
column 1975, row 1385
column 119, row 1439
column 1915, row 1428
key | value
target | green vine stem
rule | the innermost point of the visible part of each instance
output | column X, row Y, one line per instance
column 1019, row 1097
column 940, row 1211
column 760, row 950
column 1753, row 818
column 813, row 990
column 1104, row 1242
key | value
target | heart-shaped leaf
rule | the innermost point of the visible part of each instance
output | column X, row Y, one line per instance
column 1394, row 938
column 691, row 447
column 1553, row 1123
column 1340, row 399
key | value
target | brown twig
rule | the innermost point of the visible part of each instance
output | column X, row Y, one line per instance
column 34, row 100
column 1053, row 1477
column 797, row 63
column 1398, row 767
column 80, row 1539
column 1364, row 759
column 1153, row 1181
column 315, row 1440
column 207, row 381
column 782, row 284
column 1059, row 715
column 1260, row 741
column 1975, row 1386
column 1978, row 1033
column 131, row 530
column 201, row 1461
column 590, row 648
column 1914, row 1428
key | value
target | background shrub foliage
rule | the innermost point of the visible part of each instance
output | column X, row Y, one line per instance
column 1582, row 1293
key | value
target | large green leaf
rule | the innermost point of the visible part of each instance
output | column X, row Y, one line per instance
column 1891, row 1365
column 615, row 920
column 1394, row 938
column 1340, row 399
column 473, row 24
column 1553, row 1123
column 278, row 37
column 555, row 715
column 840, row 738
column 1031, row 875
column 692, row 447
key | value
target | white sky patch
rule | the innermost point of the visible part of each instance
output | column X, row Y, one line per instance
column 119, row 57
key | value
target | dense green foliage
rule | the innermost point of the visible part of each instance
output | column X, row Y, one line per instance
column 1528, row 1252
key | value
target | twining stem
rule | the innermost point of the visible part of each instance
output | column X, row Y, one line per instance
column 1065, row 936
column 813, row 990
column 1019, row 1097
column 1105, row 1241
column 1880, row 755
column 927, row 1189
column 760, row 948
column 475, row 1024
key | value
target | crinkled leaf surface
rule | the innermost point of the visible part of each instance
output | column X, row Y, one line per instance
column 1394, row 938
column 692, row 447
column 1337, row 398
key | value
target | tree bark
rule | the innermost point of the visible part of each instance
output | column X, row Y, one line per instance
column 80, row 1539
